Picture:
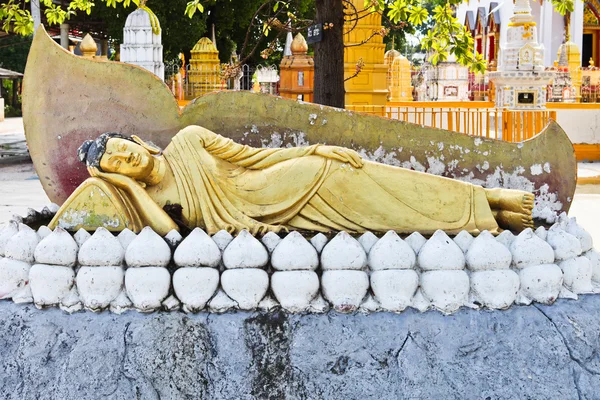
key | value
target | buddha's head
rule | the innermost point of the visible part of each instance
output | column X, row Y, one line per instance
column 120, row 154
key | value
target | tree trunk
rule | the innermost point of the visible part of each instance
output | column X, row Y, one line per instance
column 329, row 55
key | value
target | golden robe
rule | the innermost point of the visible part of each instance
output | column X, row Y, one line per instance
column 226, row 185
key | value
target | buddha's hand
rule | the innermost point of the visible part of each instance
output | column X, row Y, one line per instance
column 341, row 154
column 118, row 180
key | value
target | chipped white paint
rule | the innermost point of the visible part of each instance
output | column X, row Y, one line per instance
column 101, row 249
column 57, row 248
column 147, row 287
column 536, row 169
column 294, row 253
column 246, row 286
column 391, row 252
column 245, row 251
column 147, row 249
column 344, row 289
column 197, row 250
column 99, row 286
column 195, row 287
column 50, row 283
column 394, row 289
column 441, row 253
column 295, row 290
column 446, row 290
column 343, row 252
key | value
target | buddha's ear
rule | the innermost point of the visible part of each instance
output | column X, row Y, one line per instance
column 150, row 148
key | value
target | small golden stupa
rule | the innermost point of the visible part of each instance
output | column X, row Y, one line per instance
column 88, row 47
column 400, row 80
column 203, row 76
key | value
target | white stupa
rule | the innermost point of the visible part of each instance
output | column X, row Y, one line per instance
column 142, row 42
column 521, row 81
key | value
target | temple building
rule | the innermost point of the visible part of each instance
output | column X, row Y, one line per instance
column 369, row 86
column 297, row 71
column 521, row 80
column 584, row 27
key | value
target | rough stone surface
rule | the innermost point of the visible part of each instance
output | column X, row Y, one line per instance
column 552, row 355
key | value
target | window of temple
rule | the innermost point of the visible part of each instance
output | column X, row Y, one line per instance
column 591, row 32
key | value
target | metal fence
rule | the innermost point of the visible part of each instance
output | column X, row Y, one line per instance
column 190, row 82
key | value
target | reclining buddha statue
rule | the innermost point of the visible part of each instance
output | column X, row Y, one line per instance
column 218, row 184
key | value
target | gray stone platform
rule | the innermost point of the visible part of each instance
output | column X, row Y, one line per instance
column 534, row 352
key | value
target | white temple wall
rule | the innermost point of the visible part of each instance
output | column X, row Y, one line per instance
column 580, row 124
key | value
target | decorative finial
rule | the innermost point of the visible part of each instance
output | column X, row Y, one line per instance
column 591, row 62
column 299, row 45
column 88, row 46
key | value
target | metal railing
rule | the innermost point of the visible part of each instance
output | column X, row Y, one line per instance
column 475, row 118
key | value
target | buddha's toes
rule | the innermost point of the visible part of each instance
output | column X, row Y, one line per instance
column 514, row 221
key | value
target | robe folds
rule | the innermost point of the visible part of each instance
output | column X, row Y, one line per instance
column 226, row 185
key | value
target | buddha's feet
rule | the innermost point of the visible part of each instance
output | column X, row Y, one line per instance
column 513, row 221
column 516, row 201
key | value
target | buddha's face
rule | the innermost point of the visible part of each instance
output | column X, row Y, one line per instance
column 127, row 158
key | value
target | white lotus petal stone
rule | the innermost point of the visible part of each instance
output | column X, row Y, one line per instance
column 506, row 238
column 419, row 302
column 147, row 249
column 171, row 303
column 271, row 240
column 416, row 241
column 394, row 289
column 486, row 253
column 577, row 275
column 391, row 252
column 562, row 221
column 14, row 276
column 528, row 249
column 50, row 283
column 319, row 305
column 564, row 244
column 319, row 241
column 585, row 239
column 541, row 232
column 294, row 253
column 173, row 238
column 53, row 207
column 101, row 249
column 245, row 251
column 58, row 248
column 23, row 295
column 99, row 286
column 343, row 252
column 446, row 290
column 71, row 303
column 567, row 294
column 541, row 283
column 268, row 304
column 367, row 240
column 43, row 231
column 344, row 289
column 295, row 290
column 195, row 286
column 221, row 303
column 594, row 258
column 6, row 233
column 441, row 253
column 81, row 236
column 21, row 246
column 222, row 239
column 246, row 286
column 463, row 240
column 147, row 287
column 121, row 304
column 369, row 305
column 125, row 237
column 496, row 290
column 522, row 300
column 197, row 250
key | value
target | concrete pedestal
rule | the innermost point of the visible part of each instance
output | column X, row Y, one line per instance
column 537, row 352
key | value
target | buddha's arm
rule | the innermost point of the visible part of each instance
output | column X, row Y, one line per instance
column 151, row 213
column 254, row 158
